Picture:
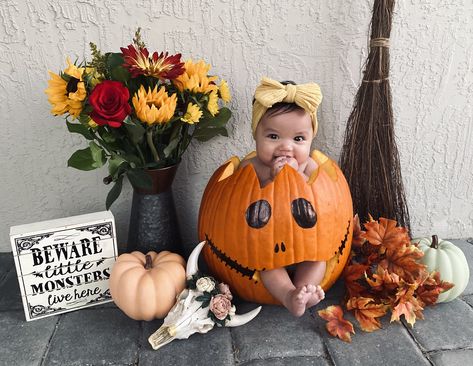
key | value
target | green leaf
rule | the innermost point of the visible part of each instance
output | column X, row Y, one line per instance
column 82, row 160
column 218, row 121
column 168, row 150
column 97, row 155
column 115, row 67
column 208, row 133
column 114, row 193
column 138, row 178
column 80, row 129
column 135, row 130
column 114, row 164
column 114, row 60
column 119, row 73
column 107, row 136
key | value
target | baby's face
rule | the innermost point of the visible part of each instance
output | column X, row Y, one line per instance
column 289, row 134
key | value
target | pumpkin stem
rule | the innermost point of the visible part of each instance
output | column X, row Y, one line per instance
column 435, row 242
column 149, row 262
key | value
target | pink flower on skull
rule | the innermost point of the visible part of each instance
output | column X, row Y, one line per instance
column 220, row 305
column 225, row 290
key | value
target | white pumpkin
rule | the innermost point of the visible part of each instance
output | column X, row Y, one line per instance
column 446, row 258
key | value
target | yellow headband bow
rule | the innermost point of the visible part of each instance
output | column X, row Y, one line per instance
column 269, row 92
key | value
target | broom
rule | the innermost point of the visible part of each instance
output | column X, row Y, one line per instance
column 369, row 157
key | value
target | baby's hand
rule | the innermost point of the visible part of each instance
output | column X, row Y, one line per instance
column 279, row 163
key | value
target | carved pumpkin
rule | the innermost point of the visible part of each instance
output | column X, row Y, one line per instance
column 447, row 259
column 249, row 229
column 145, row 287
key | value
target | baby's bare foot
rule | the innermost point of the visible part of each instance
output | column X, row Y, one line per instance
column 317, row 293
column 296, row 300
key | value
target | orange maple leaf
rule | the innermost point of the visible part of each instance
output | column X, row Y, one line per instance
column 429, row 290
column 367, row 311
column 337, row 326
column 383, row 279
column 404, row 262
column 407, row 304
column 352, row 274
column 386, row 233
column 358, row 235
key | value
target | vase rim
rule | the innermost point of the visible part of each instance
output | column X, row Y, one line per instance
column 162, row 179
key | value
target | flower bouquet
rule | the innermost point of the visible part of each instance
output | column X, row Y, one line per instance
column 138, row 111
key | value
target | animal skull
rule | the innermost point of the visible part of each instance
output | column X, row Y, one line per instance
column 188, row 316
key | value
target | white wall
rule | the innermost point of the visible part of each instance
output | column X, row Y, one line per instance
column 324, row 41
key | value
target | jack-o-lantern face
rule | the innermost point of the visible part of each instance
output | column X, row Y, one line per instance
column 251, row 229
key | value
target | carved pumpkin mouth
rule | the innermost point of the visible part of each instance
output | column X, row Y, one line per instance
column 233, row 264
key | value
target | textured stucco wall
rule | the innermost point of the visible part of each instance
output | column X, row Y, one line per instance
column 324, row 41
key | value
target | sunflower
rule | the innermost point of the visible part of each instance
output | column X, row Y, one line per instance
column 192, row 115
column 154, row 106
column 224, row 91
column 212, row 105
column 67, row 92
column 160, row 66
column 195, row 78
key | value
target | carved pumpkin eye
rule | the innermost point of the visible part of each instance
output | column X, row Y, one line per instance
column 258, row 214
column 304, row 213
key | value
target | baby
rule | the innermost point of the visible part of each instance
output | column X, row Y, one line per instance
column 284, row 125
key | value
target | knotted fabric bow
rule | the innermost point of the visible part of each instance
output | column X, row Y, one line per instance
column 269, row 92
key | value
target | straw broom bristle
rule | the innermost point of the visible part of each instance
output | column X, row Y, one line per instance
column 369, row 157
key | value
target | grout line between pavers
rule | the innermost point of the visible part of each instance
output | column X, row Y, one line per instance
column 48, row 346
column 327, row 355
column 140, row 344
column 440, row 350
column 234, row 349
column 3, row 279
column 249, row 362
column 423, row 351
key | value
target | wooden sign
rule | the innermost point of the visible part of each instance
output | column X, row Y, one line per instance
column 64, row 264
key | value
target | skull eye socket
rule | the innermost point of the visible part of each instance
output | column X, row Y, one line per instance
column 304, row 213
column 258, row 214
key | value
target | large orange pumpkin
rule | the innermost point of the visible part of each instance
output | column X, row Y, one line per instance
column 249, row 229
column 145, row 287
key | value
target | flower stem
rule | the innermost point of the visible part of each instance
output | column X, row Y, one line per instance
column 141, row 154
column 149, row 137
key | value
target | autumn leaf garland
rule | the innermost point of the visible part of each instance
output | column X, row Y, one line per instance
column 383, row 273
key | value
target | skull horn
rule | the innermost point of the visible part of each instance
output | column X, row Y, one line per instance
column 238, row 320
column 193, row 268
column 193, row 261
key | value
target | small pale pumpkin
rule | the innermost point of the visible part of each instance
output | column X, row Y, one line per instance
column 446, row 258
column 145, row 287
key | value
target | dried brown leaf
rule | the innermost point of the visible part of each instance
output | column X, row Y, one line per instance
column 337, row 326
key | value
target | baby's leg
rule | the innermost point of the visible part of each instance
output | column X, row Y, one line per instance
column 310, row 274
column 278, row 283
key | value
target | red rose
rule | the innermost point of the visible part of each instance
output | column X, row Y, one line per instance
column 109, row 99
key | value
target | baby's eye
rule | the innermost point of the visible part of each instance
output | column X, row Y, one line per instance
column 273, row 136
column 299, row 138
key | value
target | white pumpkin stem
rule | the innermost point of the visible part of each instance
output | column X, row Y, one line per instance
column 435, row 242
column 149, row 262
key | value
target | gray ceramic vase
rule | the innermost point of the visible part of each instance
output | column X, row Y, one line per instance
column 153, row 219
